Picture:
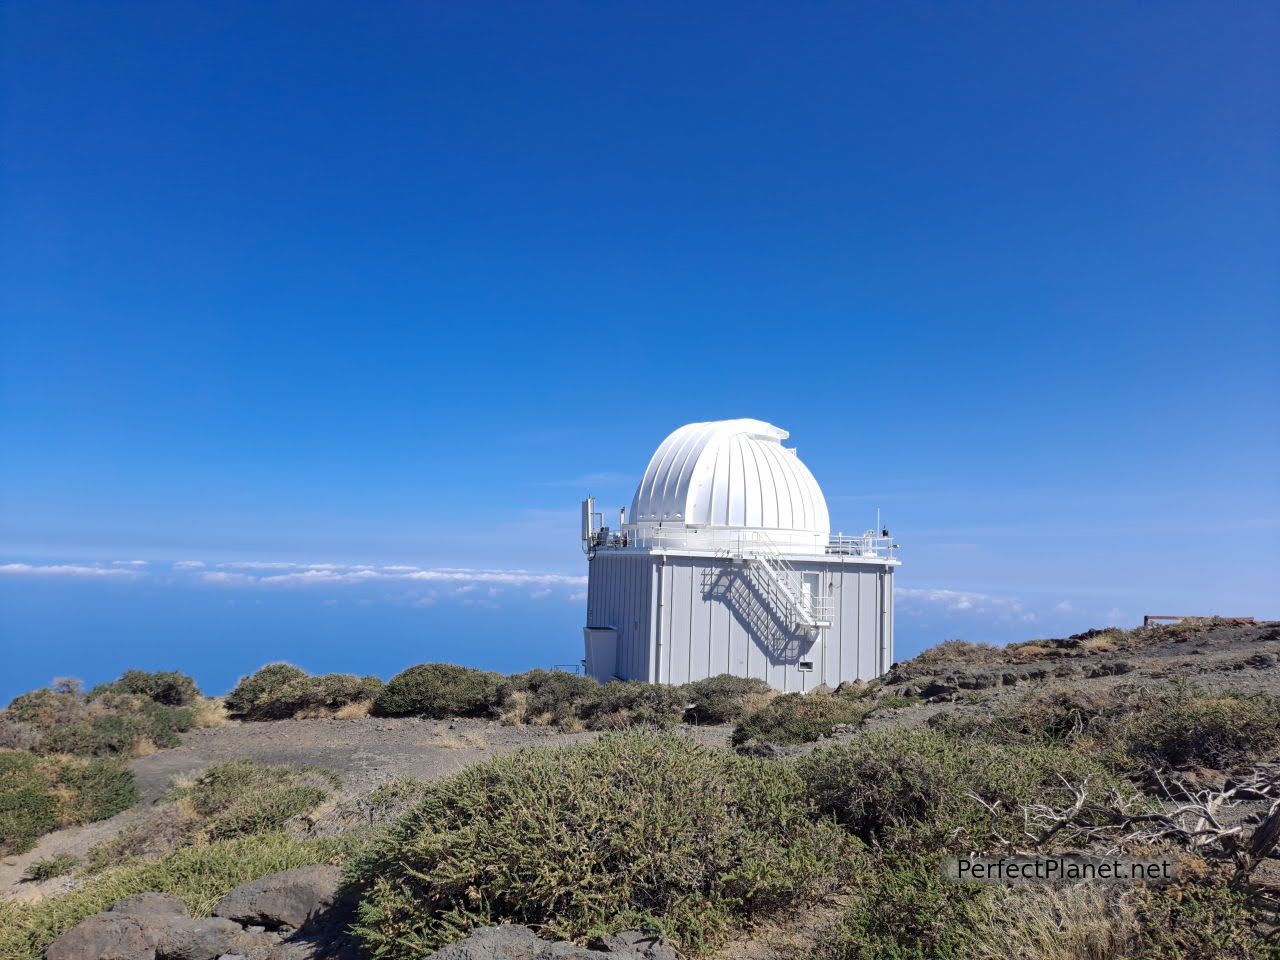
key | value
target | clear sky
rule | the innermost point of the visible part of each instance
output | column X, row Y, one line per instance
column 396, row 284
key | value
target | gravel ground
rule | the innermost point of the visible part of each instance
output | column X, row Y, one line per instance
column 364, row 753
column 369, row 751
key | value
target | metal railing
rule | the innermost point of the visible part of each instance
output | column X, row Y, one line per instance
column 785, row 578
column 742, row 543
column 867, row 545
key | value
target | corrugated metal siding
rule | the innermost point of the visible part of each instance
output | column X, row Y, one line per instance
column 618, row 596
column 710, row 622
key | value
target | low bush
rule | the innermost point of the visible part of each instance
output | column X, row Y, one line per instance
column 200, row 876
column 1211, row 731
column 261, row 684
column 723, row 699
column 226, row 801
column 119, row 724
column 242, row 798
column 907, row 910
column 1202, row 917
column 40, row 794
column 46, row 708
column 111, row 721
column 544, row 697
column 165, row 687
column 620, row 704
column 1085, row 921
column 439, row 690
column 951, row 650
column 47, row 868
column 794, row 718
column 569, row 701
column 314, row 696
column 634, row 829
column 1132, row 727
column 913, row 791
column 17, row 735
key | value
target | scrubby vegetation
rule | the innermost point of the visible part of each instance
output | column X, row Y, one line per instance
column 1133, row 727
column 646, row 828
column 304, row 695
column 794, row 718
column 200, row 875
column 439, row 690
column 47, row 868
column 633, row 829
column 242, row 798
column 723, row 699
column 165, row 687
column 279, row 691
column 260, row 685
column 565, row 700
column 543, row 698
column 133, row 715
column 905, row 909
column 920, row 791
column 225, row 801
column 39, row 794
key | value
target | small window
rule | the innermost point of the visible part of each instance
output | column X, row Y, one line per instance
column 806, row 666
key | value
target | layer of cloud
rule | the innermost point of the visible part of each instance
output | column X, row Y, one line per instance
column 963, row 602
column 279, row 574
column 63, row 570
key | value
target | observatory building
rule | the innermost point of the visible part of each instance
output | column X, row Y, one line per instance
column 726, row 564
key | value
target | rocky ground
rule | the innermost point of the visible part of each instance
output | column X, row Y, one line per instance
column 366, row 752
column 1224, row 657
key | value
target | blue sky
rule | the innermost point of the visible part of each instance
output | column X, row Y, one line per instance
column 394, row 285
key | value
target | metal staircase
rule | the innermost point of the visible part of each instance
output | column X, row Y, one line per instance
column 806, row 609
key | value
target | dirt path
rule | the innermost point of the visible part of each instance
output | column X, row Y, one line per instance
column 364, row 753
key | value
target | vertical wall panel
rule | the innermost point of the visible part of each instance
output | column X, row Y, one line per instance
column 705, row 631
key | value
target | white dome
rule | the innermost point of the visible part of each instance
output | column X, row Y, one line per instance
column 732, row 473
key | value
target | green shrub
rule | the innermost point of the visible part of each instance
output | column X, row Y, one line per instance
column 1201, row 918
column 800, row 718
column 723, row 698
column 907, row 910
column 261, row 684
column 119, row 724
column 1131, row 727
column 950, row 650
column 319, row 694
column 29, row 807
column 439, row 690
column 634, row 829
column 201, row 876
column 1213, row 731
column 619, row 704
column 914, row 790
column 544, row 696
column 241, row 798
column 46, row 708
column 40, row 794
column 17, row 735
column 47, row 868
column 166, row 687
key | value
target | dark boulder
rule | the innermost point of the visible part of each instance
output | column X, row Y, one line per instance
column 511, row 942
column 150, row 905
column 107, row 936
column 286, row 899
column 204, row 939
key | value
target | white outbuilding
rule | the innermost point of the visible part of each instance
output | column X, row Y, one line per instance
column 725, row 563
